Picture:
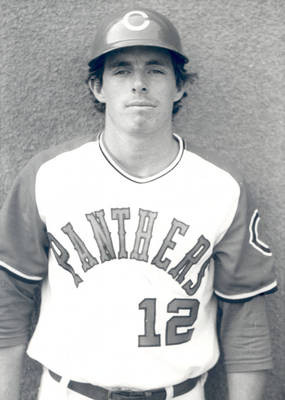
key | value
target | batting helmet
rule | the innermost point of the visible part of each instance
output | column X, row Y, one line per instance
column 136, row 27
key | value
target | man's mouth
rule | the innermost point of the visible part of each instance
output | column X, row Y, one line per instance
column 140, row 103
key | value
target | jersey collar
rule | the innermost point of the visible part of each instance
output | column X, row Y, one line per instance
column 136, row 179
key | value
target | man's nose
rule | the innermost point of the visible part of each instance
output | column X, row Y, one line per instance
column 139, row 83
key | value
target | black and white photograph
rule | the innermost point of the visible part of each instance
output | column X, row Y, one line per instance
column 142, row 199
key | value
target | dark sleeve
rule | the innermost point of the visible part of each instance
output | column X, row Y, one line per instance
column 23, row 257
column 244, row 335
column 244, row 266
column 23, row 238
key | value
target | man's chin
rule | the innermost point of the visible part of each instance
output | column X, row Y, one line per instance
column 142, row 125
column 141, row 121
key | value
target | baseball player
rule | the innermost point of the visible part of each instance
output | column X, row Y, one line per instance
column 135, row 238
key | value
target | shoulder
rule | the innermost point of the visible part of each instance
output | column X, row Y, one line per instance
column 215, row 165
column 62, row 150
column 56, row 154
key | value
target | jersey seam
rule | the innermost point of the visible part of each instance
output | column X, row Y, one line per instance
column 51, row 159
column 226, row 172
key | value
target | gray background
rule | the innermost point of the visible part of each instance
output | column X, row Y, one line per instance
column 236, row 107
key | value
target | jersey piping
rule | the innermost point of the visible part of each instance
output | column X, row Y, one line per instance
column 19, row 274
column 151, row 178
column 246, row 296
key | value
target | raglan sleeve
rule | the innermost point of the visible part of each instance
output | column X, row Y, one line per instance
column 244, row 266
column 244, row 271
column 23, row 257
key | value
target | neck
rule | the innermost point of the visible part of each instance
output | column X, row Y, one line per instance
column 141, row 154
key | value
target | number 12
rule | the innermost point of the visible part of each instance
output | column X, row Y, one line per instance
column 151, row 338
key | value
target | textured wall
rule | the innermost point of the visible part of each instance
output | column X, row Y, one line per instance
column 236, row 107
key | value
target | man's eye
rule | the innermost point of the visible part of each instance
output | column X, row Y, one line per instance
column 157, row 71
column 121, row 72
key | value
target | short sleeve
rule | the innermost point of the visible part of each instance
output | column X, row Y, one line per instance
column 23, row 238
column 243, row 262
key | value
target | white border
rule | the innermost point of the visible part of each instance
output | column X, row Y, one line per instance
column 249, row 294
column 20, row 274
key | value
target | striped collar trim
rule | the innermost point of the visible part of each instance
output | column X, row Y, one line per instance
column 151, row 178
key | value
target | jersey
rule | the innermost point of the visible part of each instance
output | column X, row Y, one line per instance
column 131, row 268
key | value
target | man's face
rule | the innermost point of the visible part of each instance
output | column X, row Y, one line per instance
column 139, row 89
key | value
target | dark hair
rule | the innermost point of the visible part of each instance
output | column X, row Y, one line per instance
column 96, row 70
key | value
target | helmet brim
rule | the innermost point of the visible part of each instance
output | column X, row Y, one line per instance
column 136, row 43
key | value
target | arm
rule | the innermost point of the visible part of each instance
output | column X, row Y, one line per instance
column 245, row 342
column 11, row 363
column 246, row 385
column 16, row 307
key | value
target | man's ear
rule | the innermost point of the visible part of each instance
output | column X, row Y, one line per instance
column 179, row 93
column 97, row 90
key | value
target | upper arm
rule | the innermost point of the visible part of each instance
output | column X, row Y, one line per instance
column 245, row 335
column 244, row 271
column 17, row 303
column 244, row 265
column 23, row 237
column 23, row 258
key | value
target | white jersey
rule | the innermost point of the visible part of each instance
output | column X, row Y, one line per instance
column 131, row 267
